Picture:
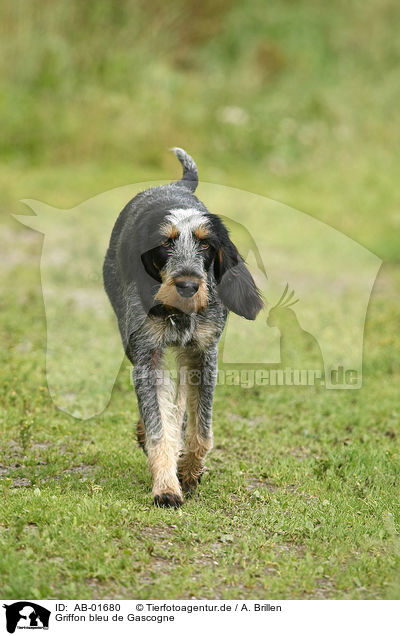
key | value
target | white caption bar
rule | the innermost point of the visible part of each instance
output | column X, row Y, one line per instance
column 177, row 617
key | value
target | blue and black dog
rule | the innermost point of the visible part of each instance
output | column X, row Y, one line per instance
column 172, row 274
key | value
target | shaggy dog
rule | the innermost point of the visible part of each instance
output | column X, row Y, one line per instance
column 172, row 274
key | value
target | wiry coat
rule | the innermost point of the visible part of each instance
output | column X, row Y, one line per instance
column 172, row 274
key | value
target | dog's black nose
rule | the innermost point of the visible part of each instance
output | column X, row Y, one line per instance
column 186, row 288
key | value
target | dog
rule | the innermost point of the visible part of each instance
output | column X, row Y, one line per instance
column 172, row 274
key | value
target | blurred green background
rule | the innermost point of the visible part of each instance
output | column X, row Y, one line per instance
column 293, row 99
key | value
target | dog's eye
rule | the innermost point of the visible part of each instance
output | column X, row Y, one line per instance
column 167, row 243
column 204, row 246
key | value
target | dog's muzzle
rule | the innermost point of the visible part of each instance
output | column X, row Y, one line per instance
column 186, row 288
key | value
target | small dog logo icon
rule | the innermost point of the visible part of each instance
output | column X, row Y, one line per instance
column 26, row 615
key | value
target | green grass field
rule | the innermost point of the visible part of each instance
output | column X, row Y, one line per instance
column 297, row 102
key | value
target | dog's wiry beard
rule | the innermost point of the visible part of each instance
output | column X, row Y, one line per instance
column 169, row 296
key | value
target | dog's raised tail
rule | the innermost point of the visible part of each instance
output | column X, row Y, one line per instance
column 190, row 177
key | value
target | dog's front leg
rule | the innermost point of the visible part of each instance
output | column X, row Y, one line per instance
column 162, row 431
column 200, row 371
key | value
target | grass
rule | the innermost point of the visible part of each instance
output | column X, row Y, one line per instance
column 300, row 501
column 302, row 495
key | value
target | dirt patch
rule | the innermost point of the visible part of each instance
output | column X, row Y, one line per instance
column 83, row 470
column 21, row 482
column 158, row 541
column 300, row 452
column 31, row 528
column 258, row 484
column 158, row 566
column 249, row 421
column 6, row 470
column 297, row 551
column 40, row 445
column 161, row 534
column 80, row 468
column 324, row 588
column 24, row 482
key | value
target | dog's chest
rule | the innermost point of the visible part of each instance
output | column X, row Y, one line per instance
column 182, row 331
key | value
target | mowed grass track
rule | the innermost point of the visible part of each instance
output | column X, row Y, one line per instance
column 301, row 499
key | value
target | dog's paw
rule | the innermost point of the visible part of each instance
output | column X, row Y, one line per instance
column 189, row 482
column 167, row 500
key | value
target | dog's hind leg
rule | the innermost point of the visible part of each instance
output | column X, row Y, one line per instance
column 141, row 434
column 201, row 371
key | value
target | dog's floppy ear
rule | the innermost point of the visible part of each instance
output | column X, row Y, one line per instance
column 148, row 263
column 139, row 268
column 235, row 285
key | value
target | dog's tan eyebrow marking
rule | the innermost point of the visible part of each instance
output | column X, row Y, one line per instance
column 169, row 230
column 201, row 232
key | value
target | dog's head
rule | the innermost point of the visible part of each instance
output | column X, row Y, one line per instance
column 190, row 254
